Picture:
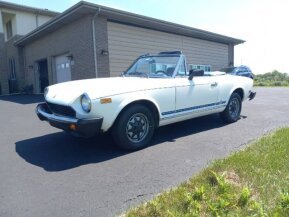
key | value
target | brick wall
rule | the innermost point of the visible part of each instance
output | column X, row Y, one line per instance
column 75, row 39
column 101, row 37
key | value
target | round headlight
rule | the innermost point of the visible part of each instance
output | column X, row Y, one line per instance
column 85, row 103
column 46, row 91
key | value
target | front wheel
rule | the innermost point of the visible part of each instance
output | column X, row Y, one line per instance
column 134, row 128
column 233, row 110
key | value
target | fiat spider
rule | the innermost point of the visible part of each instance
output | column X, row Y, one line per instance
column 156, row 90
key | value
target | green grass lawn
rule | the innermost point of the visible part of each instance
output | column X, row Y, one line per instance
column 251, row 182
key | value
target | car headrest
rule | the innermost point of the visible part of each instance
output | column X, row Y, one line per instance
column 170, row 70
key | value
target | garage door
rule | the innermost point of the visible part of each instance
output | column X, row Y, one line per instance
column 63, row 72
column 126, row 43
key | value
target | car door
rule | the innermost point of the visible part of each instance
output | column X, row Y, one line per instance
column 195, row 97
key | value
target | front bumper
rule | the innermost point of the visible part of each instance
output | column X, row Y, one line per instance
column 78, row 127
column 252, row 95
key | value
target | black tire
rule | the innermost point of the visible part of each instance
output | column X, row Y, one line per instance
column 134, row 128
column 233, row 110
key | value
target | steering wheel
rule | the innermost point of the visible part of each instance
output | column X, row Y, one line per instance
column 162, row 71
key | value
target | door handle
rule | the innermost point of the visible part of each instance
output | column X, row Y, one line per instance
column 214, row 84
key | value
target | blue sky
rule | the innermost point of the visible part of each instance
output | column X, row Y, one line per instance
column 262, row 23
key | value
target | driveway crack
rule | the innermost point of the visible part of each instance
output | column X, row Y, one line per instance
column 136, row 197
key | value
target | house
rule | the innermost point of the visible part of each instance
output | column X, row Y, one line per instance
column 89, row 40
column 15, row 22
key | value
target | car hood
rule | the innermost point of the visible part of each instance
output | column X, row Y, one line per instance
column 67, row 92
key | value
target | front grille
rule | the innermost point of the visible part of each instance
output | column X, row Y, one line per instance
column 61, row 110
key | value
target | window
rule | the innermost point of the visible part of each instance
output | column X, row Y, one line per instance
column 206, row 68
column 9, row 31
column 12, row 68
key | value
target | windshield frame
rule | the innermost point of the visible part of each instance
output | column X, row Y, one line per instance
column 180, row 56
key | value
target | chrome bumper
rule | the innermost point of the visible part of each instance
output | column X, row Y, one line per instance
column 79, row 127
column 42, row 112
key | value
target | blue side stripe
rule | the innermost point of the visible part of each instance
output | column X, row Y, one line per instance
column 193, row 108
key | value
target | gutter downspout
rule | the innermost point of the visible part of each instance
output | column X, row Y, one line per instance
column 94, row 42
column 36, row 20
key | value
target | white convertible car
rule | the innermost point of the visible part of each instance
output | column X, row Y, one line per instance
column 155, row 91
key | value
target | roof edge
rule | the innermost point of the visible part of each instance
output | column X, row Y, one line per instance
column 12, row 6
column 48, row 23
column 164, row 22
column 107, row 11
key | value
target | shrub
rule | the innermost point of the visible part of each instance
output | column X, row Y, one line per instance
column 273, row 78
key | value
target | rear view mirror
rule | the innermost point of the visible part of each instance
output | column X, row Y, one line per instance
column 195, row 72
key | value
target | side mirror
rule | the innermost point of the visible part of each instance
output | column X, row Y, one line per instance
column 195, row 72
column 191, row 74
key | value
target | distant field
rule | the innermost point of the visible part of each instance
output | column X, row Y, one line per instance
column 272, row 79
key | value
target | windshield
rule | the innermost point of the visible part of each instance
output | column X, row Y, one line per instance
column 153, row 66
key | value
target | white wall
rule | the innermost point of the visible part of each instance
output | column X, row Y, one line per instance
column 43, row 19
column 26, row 22
column 22, row 22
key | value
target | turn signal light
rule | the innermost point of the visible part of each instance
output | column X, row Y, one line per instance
column 72, row 127
column 105, row 100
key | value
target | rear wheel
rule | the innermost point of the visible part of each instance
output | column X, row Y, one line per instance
column 233, row 110
column 134, row 128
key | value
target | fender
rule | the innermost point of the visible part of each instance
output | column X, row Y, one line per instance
column 233, row 83
column 234, row 89
column 121, row 102
column 136, row 98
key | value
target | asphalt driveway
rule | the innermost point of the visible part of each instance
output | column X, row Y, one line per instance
column 45, row 172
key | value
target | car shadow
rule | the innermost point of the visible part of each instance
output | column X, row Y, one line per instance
column 23, row 99
column 60, row 151
column 171, row 132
